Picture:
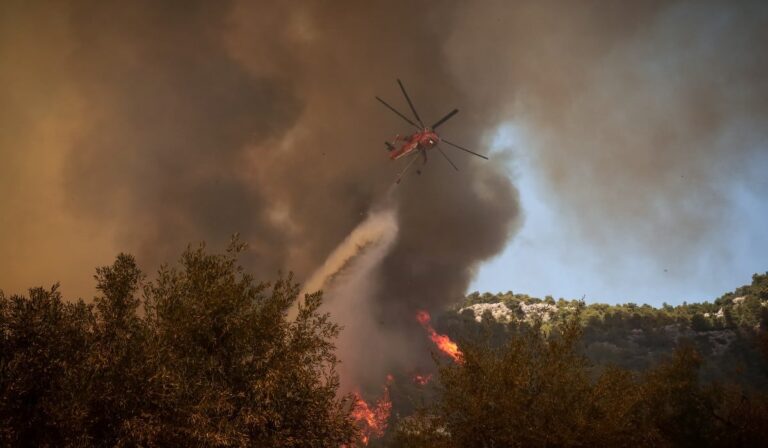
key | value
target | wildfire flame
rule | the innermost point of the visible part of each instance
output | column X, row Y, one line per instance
column 443, row 342
column 372, row 420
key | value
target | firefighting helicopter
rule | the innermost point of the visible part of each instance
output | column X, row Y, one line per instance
column 419, row 142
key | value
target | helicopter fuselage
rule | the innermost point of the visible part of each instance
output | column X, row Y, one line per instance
column 422, row 140
column 418, row 143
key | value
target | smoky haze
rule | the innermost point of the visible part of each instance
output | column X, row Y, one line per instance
column 192, row 121
column 647, row 121
column 142, row 127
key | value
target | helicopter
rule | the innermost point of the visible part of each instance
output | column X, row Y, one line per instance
column 421, row 141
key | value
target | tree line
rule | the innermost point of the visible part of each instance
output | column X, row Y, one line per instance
column 537, row 389
column 201, row 356
column 204, row 355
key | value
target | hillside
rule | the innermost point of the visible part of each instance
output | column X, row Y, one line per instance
column 565, row 373
column 728, row 332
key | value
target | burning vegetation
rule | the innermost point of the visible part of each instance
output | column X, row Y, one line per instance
column 135, row 126
column 205, row 356
column 443, row 342
column 372, row 420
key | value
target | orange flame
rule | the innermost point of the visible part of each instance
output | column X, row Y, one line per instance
column 443, row 342
column 372, row 420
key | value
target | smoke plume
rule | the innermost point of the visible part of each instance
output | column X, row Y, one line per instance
column 174, row 123
column 350, row 279
column 144, row 126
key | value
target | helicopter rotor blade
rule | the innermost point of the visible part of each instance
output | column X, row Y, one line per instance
column 398, row 113
column 445, row 118
column 402, row 173
column 463, row 149
column 413, row 109
column 447, row 158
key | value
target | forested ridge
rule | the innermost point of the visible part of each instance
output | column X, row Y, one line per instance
column 546, row 372
column 203, row 354
column 728, row 332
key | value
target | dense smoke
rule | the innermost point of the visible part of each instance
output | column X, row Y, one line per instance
column 350, row 278
column 143, row 126
column 193, row 121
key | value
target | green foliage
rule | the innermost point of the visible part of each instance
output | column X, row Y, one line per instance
column 202, row 356
column 603, row 375
column 43, row 376
column 537, row 390
column 731, row 334
column 118, row 358
column 700, row 323
column 205, row 356
column 534, row 373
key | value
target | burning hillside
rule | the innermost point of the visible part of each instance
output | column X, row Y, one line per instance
column 442, row 342
column 372, row 419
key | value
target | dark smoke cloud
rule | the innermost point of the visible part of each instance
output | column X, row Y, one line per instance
column 447, row 222
column 143, row 126
column 195, row 120
column 172, row 115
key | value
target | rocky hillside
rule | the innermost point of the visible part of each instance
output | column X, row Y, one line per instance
column 729, row 332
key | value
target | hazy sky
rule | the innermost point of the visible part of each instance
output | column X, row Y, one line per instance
column 629, row 141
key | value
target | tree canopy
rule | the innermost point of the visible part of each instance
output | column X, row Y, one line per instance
column 537, row 390
column 201, row 356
